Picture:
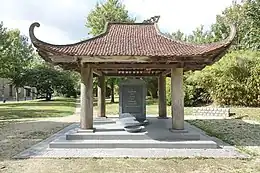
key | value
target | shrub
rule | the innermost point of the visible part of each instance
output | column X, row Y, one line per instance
column 194, row 94
column 234, row 80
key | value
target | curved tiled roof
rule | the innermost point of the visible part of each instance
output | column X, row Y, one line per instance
column 130, row 39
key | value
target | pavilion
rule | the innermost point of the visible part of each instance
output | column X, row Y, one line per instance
column 132, row 49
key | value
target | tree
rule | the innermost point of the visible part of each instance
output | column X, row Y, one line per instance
column 200, row 36
column 231, row 15
column 152, row 86
column 110, row 11
column 252, row 25
column 68, row 84
column 16, row 56
column 111, row 83
column 3, row 45
column 178, row 36
column 47, row 79
column 246, row 17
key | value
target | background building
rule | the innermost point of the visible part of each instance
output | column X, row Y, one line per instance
column 7, row 91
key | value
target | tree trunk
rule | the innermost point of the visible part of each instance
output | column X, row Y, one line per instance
column 153, row 93
column 48, row 96
column 16, row 94
column 112, row 92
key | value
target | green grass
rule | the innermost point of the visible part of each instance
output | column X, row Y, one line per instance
column 151, row 107
column 58, row 107
column 244, row 135
column 247, row 113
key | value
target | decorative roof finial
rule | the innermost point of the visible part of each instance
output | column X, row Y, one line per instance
column 154, row 19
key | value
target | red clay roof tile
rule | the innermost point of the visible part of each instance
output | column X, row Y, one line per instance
column 129, row 39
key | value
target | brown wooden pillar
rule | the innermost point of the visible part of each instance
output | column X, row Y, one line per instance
column 177, row 99
column 101, row 96
column 162, row 96
column 86, row 112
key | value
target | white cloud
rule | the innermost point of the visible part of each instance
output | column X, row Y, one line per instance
column 62, row 21
column 45, row 32
column 185, row 15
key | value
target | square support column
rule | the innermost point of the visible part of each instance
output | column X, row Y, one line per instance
column 177, row 97
column 86, row 111
column 101, row 96
column 162, row 96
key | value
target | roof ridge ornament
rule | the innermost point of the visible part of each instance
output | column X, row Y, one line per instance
column 153, row 19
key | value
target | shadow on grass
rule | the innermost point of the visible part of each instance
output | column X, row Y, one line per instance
column 70, row 102
column 20, row 135
column 11, row 113
column 39, row 103
column 233, row 131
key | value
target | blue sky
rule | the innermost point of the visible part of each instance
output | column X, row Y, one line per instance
column 63, row 21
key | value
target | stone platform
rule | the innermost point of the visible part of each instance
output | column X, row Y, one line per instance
column 109, row 133
column 110, row 140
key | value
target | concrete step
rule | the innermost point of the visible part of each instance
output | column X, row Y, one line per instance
column 131, row 136
column 131, row 144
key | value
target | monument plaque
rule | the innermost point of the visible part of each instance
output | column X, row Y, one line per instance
column 132, row 99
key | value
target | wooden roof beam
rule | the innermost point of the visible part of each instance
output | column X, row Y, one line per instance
column 97, row 72
column 131, row 66
column 166, row 72
column 138, row 74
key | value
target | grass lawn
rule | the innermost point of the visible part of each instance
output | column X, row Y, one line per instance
column 247, row 113
column 37, row 108
column 151, row 107
column 241, row 133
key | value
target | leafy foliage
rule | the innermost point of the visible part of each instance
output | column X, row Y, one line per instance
column 152, row 86
column 47, row 80
column 246, row 17
column 234, row 80
column 194, row 94
column 16, row 54
column 251, row 38
column 110, row 11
